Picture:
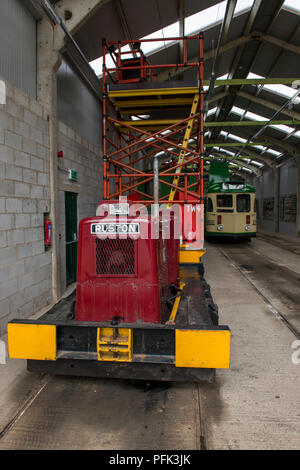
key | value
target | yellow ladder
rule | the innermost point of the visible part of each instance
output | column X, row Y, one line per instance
column 187, row 135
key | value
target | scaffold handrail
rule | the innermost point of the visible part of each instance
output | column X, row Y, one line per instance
column 130, row 145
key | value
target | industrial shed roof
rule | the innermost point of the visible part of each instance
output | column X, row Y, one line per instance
column 257, row 38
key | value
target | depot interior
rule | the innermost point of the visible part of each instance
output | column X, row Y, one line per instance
column 51, row 120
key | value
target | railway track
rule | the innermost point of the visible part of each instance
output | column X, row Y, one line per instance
column 158, row 407
column 25, row 405
column 275, row 311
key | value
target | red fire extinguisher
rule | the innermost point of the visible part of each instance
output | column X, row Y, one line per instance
column 48, row 229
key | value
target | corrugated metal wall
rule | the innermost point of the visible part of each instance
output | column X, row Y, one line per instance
column 18, row 45
column 77, row 106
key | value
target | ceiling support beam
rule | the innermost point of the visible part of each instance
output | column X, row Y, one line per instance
column 271, row 120
column 252, row 16
column 264, row 18
column 277, row 42
column 251, row 155
column 124, row 23
column 81, row 11
column 268, row 104
column 224, row 29
column 250, row 123
column 237, row 162
column 253, row 98
column 292, row 39
column 259, row 157
column 241, row 41
column 289, row 149
column 173, row 72
column 253, row 81
column 231, row 144
column 63, row 40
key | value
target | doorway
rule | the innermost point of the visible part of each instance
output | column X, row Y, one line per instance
column 71, row 236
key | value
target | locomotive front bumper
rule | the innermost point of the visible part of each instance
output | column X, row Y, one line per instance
column 187, row 346
column 138, row 351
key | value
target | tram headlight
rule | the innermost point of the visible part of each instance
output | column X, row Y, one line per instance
column 220, row 227
column 247, row 228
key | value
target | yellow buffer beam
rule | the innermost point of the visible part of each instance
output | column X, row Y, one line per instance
column 190, row 256
column 202, row 348
column 29, row 341
column 185, row 142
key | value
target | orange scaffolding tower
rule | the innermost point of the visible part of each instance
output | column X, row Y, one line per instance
column 144, row 116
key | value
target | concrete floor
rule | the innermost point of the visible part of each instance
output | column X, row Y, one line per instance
column 257, row 400
column 254, row 405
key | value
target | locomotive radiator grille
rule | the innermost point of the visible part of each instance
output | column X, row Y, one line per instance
column 115, row 256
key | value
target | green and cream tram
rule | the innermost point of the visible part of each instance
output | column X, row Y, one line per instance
column 230, row 210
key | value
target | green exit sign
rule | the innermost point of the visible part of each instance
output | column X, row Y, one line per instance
column 73, row 176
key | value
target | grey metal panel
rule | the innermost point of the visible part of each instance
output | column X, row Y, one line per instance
column 288, row 185
column 268, row 225
column 287, row 228
column 268, row 192
column 268, row 187
column 288, row 178
column 77, row 106
column 18, row 45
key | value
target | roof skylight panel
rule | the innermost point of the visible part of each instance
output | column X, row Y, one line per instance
column 260, row 147
column 236, row 137
column 281, row 90
column 211, row 111
column 169, row 31
column 292, row 5
column 248, row 114
column 256, row 163
column 194, row 23
column 227, row 151
column 283, row 128
column 212, row 15
column 273, row 152
column 257, row 117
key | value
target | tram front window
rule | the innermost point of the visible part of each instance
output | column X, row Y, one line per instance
column 243, row 203
column 224, row 200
